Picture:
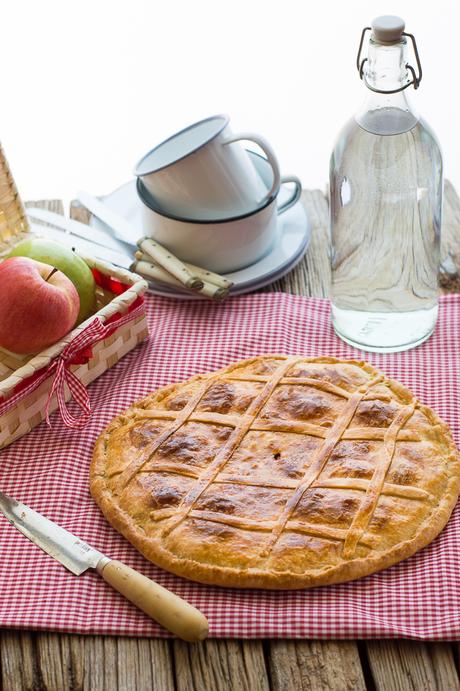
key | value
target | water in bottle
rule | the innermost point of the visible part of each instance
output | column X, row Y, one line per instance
column 385, row 202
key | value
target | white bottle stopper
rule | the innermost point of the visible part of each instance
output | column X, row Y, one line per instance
column 387, row 29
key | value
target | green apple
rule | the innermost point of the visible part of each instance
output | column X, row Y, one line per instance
column 68, row 262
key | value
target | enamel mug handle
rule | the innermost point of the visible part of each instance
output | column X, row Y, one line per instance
column 295, row 196
column 269, row 153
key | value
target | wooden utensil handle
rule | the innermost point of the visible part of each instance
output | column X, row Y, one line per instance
column 169, row 610
column 205, row 275
column 168, row 261
column 151, row 270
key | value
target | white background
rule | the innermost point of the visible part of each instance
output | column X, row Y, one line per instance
column 88, row 86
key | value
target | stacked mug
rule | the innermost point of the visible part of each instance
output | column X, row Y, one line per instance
column 209, row 200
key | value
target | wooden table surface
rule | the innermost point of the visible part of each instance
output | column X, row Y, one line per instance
column 50, row 661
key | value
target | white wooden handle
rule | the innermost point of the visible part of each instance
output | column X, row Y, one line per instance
column 169, row 610
column 172, row 264
column 205, row 275
column 151, row 270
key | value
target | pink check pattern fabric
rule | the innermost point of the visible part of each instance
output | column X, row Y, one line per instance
column 48, row 470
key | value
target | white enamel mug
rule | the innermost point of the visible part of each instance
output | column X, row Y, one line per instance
column 221, row 246
column 204, row 173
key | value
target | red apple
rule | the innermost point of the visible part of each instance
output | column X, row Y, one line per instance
column 38, row 305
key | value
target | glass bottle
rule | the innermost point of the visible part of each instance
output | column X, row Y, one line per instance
column 385, row 200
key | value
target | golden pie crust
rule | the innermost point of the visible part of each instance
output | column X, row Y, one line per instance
column 278, row 472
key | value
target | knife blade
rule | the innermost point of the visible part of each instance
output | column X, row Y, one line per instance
column 101, row 237
column 77, row 556
column 84, row 246
column 169, row 610
column 122, row 229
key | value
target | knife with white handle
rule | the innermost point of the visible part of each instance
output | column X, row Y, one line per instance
column 169, row 610
column 85, row 247
column 70, row 225
column 122, row 229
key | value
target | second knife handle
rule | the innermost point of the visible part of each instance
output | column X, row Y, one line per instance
column 171, row 263
column 169, row 610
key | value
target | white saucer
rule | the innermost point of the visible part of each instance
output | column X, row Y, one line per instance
column 294, row 234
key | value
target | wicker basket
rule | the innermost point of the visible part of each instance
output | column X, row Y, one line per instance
column 31, row 387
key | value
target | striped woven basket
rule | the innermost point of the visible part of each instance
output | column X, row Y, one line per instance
column 33, row 386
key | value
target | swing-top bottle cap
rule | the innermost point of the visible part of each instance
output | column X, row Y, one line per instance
column 387, row 28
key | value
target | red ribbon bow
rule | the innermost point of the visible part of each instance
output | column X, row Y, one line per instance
column 78, row 352
column 63, row 375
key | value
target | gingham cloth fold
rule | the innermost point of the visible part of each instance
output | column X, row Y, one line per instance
column 48, row 469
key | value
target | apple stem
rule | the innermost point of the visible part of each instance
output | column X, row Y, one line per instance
column 51, row 274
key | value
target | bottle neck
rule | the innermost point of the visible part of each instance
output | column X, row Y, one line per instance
column 385, row 70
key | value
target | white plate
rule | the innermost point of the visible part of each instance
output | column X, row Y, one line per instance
column 294, row 234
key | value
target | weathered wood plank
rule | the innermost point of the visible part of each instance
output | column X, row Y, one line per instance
column 144, row 665
column 315, row 666
column 224, row 665
column 56, row 658
column 90, row 663
column 313, row 273
column 445, row 670
column 52, row 204
column 99, row 663
column 412, row 666
column 450, row 235
column 450, row 240
column 18, row 666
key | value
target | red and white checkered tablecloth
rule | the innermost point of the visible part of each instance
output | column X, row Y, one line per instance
column 48, row 469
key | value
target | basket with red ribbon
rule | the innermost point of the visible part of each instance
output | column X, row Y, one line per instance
column 32, row 387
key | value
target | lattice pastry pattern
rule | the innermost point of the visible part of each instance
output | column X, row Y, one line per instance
column 278, row 472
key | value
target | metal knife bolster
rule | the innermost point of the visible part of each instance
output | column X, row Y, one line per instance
column 75, row 554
